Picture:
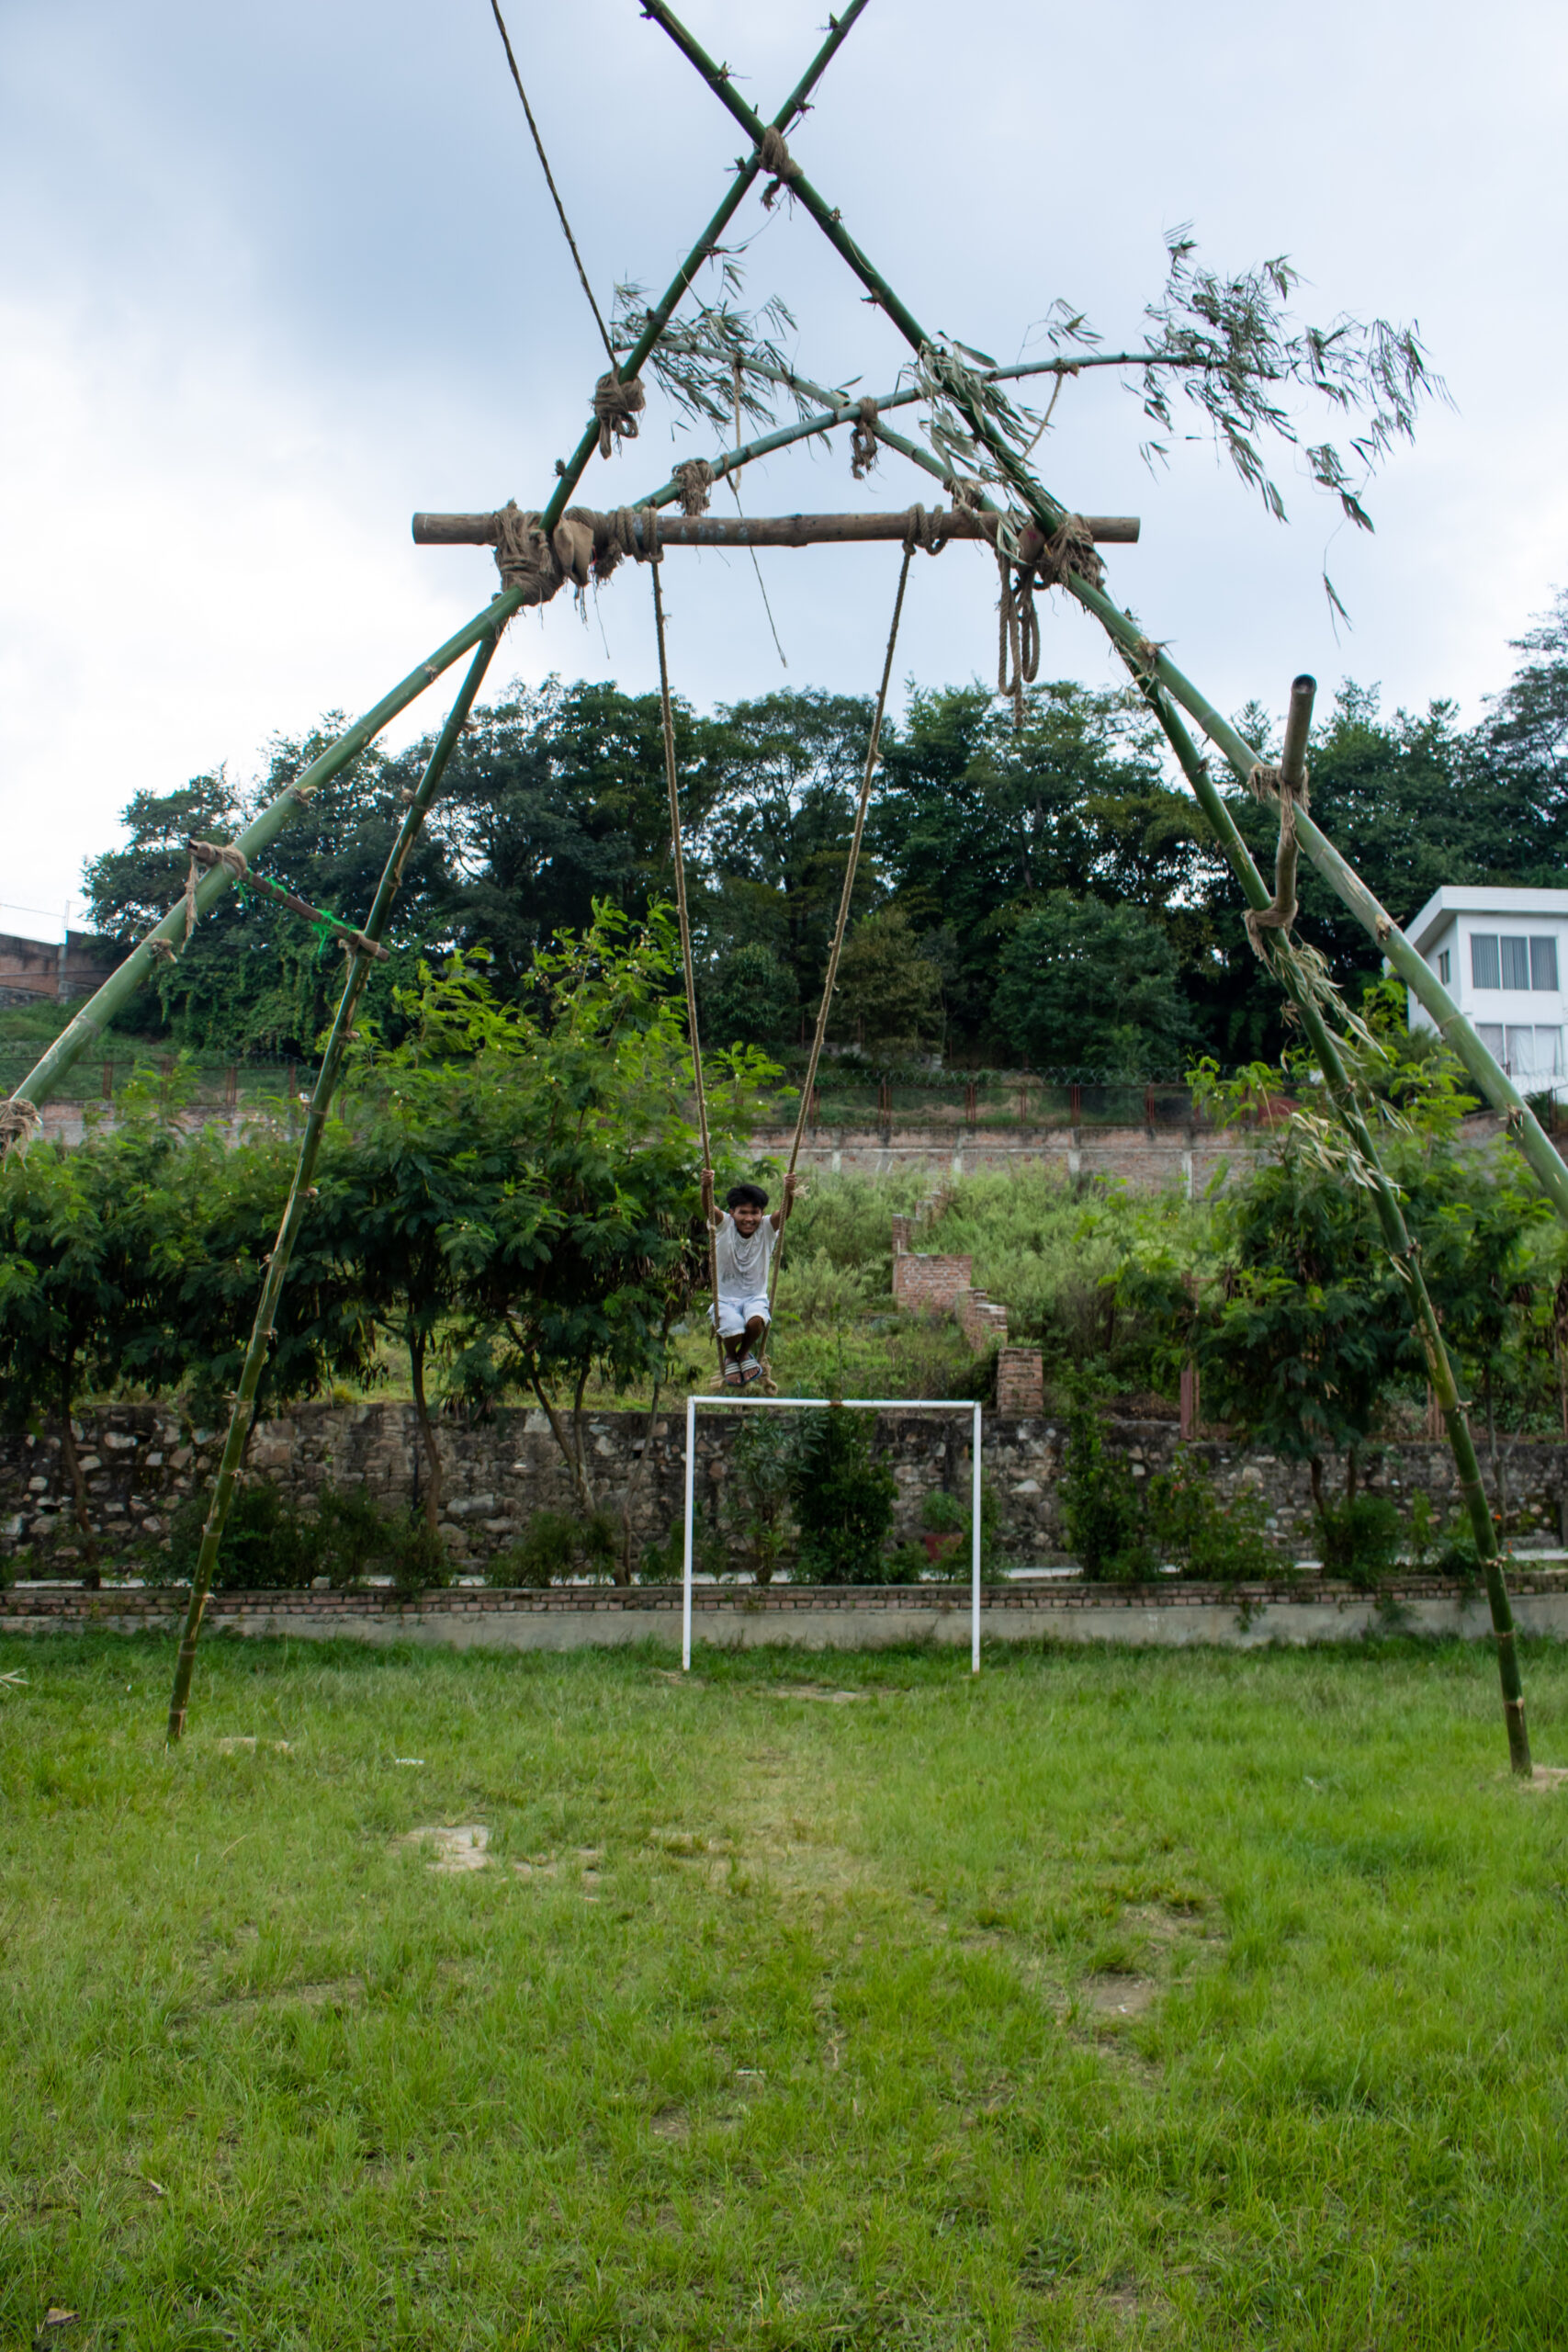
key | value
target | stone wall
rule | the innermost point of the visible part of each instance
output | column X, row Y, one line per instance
column 141, row 1463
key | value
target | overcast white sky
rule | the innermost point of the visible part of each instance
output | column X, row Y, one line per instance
column 274, row 278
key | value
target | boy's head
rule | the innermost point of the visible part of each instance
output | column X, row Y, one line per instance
column 745, row 1204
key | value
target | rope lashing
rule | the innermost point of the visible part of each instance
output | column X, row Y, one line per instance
column 864, row 447
column 617, row 406
column 161, row 951
column 830, row 979
column 628, row 531
column 207, row 854
column 20, row 1120
column 775, row 158
column 925, row 531
column 1267, row 784
column 1070, row 550
column 524, row 556
column 694, row 481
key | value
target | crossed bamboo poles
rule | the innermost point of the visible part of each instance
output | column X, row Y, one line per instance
column 1170, row 693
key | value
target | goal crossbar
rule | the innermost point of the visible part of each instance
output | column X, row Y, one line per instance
column 849, row 1405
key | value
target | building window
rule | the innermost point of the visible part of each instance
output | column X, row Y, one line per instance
column 1443, row 966
column 1490, row 1036
column 1483, row 959
column 1533, row 1053
column 1515, row 963
column 1543, row 963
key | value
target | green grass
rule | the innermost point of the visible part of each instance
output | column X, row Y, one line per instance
column 1110, row 1999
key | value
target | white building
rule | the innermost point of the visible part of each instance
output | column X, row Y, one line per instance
column 1503, row 957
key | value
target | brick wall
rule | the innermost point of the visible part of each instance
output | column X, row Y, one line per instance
column 923, row 1284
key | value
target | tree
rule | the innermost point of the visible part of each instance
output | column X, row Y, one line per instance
column 573, row 1255
column 889, row 991
column 1086, row 985
column 86, row 1237
column 747, row 997
column 1311, row 1323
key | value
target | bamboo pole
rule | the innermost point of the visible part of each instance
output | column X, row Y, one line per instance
column 768, row 530
column 704, row 250
column 361, row 957
column 1397, row 1239
column 88, row 1025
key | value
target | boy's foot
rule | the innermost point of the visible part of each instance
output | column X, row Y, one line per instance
column 750, row 1369
column 732, row 1374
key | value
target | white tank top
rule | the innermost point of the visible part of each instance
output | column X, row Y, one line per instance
column 743, row 1258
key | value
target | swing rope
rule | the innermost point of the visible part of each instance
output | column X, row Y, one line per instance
column 830, row 980
column 683, row 915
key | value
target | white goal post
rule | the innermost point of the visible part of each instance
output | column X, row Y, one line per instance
column 727, row 1403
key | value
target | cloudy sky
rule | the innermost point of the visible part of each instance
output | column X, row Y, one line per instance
column 274, row 278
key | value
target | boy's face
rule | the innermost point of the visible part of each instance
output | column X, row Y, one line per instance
column 748, row 1218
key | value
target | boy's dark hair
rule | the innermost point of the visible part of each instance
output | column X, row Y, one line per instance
column 745, row 1196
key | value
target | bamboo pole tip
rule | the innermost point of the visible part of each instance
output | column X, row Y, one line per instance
column 1303, row 688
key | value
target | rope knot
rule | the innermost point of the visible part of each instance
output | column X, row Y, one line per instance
column 18, row 1120
column 1017, row 636
column 694, row 481
column 863, row 445
column 1071, row 549
column 618, row 407
column 1267, row 784
column 162, row 950
column 775, row 158
column 524, row 557
column 926, row 531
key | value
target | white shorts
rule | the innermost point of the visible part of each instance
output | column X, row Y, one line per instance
column 734, row 1314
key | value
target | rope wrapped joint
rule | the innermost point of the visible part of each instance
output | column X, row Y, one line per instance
column 864, row 447
column 694, row 481
column 617, row 406
column 19, row 1121
column 775, row 158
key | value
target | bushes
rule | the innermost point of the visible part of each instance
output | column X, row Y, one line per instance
column 1102, row 1511
column 555, row 1548
column 270, row 1545
column 1360, row 1539
column 843, row 1500
column 1122, row 1531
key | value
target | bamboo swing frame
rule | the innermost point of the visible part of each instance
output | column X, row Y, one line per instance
column 1172, row 696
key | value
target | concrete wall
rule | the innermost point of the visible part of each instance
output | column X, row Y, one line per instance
column 141, row 1463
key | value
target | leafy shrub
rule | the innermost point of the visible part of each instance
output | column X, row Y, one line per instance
column 757, row 1494
column 1360, row 1539
column 554, row 1548
column 419, row 1560
column 353, row 1533
column 906, row 1564
column 1204, row 1535
column 267, row 1546
column 819, row 1295
column 941, row 1513
column 1101, row 1508
column 843, row 1500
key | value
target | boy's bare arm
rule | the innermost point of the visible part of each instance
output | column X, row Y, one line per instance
column 793, row 1189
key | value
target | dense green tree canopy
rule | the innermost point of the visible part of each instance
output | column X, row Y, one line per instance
column 556, row 800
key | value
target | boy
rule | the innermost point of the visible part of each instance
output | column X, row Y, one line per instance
column 744, row 1243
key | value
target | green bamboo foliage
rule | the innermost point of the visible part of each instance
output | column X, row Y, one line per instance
column 360, row 959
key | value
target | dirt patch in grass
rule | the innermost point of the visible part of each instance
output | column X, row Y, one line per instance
column 453, row 1848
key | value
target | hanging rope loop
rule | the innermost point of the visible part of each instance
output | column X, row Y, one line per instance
column 617, row 406
column 1018, row 634
column 1269, row 784
column 775, row 158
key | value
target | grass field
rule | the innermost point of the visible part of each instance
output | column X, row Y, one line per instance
column 1110, row 1999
